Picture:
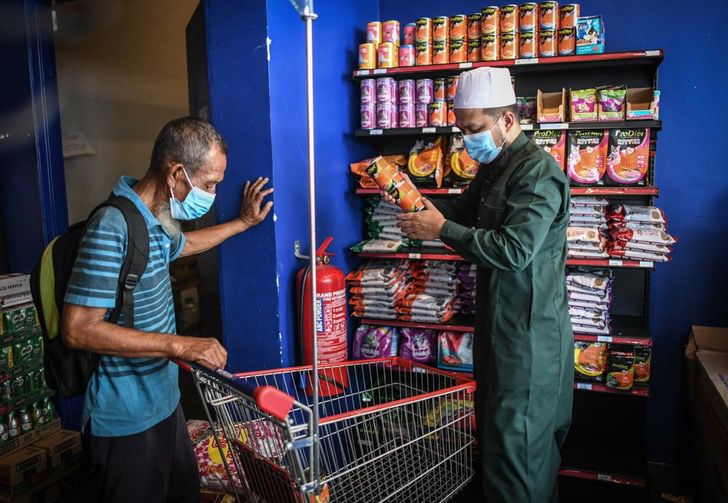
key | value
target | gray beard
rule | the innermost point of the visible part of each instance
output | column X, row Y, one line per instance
column 172, row 226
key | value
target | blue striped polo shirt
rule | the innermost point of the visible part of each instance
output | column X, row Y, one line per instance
column 127, row 395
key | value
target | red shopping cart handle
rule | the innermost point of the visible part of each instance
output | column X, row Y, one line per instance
column 269, row 399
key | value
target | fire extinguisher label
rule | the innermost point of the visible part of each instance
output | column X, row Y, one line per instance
column 331, row 326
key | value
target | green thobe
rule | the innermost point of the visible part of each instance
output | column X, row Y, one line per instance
column 511, row 222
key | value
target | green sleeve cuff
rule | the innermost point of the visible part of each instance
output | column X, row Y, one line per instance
column 453, row 234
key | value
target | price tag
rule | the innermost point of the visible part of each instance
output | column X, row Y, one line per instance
column 375, row 132
column 527, row 61
column 414, row 256
column 604, row 477
column 583, row 385
column 362, row 72
column 527, row 127
column 604, row 338
column 652, row 53
column 454, row 129
column 646, row 265
column 419, row 370
column 556, row 125
column 454, row 191
column 429, row 130
column 465, row 65
column 380, row 71
column 615, row 263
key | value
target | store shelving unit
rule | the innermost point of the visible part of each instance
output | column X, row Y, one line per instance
column 597, row 408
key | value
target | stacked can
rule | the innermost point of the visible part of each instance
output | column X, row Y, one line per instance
column 368, row 51
column 458, row 39
column 489, row 34
column 424, row 95
column 451, row 88
column 440, row 40
column 387, row 93
column 368, row 90
column 437, row 116
column 407, row 56
column 474, row 21
column 528, row 26
column 509, row 31
column 566, row 30
column 407, row 99
column 423, row 41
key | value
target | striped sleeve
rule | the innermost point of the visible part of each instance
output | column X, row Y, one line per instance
column 178, row 244
column 95, row 276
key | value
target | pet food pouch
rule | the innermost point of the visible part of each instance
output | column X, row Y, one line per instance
column 455, row 351
column 620, row 370
column 642, row 363
column 583, row 105
column 587, row 160
column 590, row 361
column 425, row 165
column 612, row 103
column 374, row 342
column 418, row 345
column 526, row 109
column 629, row 156
column 553, row 142
column 389, row 179
column 464, row 168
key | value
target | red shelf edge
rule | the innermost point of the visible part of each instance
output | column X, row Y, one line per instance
column 601, row 388
column 414, row 324
column 603, row 477
column 512, row 62
column 409, row 256
column 575, row 191
column 616, row 339
column 606, row 263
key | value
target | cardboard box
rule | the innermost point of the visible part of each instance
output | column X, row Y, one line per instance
column 589, row 35
column 551, row 107
column 21, row 469
column 63, row 449
column 14, row 289
column 28, row 438
column 643, row 103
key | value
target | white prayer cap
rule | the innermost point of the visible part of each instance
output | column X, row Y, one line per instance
column 485, row 88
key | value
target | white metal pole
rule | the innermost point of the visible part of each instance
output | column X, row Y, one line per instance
column 309, row 17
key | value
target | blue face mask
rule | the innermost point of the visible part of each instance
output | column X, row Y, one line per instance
column 196, row 204
column 481, row 146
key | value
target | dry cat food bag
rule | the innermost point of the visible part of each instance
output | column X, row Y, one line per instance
column 389, row 179
column 629, row 156
column 587, row 161
column 463, row 167
column 359, row 169
column 553, row 142
column 426, row 164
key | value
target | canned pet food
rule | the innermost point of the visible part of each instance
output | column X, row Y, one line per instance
column 458, row 51
column 509, row 45
column 509, row 18
column 407, row 92
column 438, row 114
column 567, row 41
column 384, row 115
column 528, row 17
column 387, row 55
column 423, row 30
column 473, row 50
column 490, row 47
column 568, row 14
column 489, row 21
column 407, row 115
column 368, row 91
column 394, row 116
column 547, row 43
column 368, row 116
column 441, row 29
column 527, row 45
column 421, row 114
column 425, row 90
column 390, row 32
column 408, row 34
column 374, row 32
column 386, row 90
column 440, row 54
column 474, row 21
column 458, row 27
column 438, row 86
column 451, row 114
column 452, row 87
column 548, row 15
column 367, row 56
column 407, row 55
column 423, row 53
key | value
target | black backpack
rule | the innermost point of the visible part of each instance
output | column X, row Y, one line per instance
column 67, row 370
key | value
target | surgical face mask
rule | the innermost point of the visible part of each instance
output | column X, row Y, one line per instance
column 482, row 147
column 196, row 204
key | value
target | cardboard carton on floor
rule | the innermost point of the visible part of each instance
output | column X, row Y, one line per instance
column 63, row 448
column 21, row 469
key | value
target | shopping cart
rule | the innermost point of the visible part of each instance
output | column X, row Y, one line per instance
column 397, row 431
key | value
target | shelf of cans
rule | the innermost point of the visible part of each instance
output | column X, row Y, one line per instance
column 575, row 191
column 25, row 399
column 603, row 477
column 510, row 32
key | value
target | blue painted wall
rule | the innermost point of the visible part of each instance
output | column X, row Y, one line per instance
column 690, row 173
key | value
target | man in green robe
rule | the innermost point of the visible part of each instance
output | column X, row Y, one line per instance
column 511, row 222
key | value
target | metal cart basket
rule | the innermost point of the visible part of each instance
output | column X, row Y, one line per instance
column 388, row 430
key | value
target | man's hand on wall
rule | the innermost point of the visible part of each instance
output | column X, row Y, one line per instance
column 252, row 211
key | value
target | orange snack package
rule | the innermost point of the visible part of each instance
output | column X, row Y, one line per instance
column 389, row 179
column 359, row 169
column 464, row 168
column 425, row 164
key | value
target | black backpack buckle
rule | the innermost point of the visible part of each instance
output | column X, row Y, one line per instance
column 131, row 281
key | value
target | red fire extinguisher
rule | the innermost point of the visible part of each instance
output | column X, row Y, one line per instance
column 330, row 320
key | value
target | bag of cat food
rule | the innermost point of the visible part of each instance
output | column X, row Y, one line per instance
column 418, row 345
column 463, row 167
column 388, row 178
column 359, row 169
column 455, row 351
column 590, row 361
column 553, row 142
column 587, row 160
column 426, row 164
column 374, row 342
column 583, row 105
column 629, row 156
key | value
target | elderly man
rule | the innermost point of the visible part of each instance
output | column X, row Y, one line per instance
column 134, row 431
column 511, row 221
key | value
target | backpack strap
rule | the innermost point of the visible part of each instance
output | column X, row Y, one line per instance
column 135, row 261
